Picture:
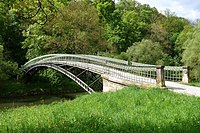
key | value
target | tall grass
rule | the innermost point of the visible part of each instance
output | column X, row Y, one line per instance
column 129, row 110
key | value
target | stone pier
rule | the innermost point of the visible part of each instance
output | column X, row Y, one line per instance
column 112, row 84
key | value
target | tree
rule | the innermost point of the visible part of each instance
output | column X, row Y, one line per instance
column 147, row 52
column 11, row 33
column 158, row 34
column 105, row 8
column 8, row 69
column 182, row 38
column 12, row 37
column 75, row 29
column 174, row 26
column 15, row 17
column 37, row 11
column 191, row 54
column 131, row 24
column 35, row 41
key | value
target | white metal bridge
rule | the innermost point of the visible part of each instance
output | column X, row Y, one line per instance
column 131, row 71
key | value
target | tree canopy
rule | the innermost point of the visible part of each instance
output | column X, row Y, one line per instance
column 191, row 54
column 124, row 29
column 147, row 52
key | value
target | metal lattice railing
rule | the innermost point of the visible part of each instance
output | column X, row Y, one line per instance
column 173, row 73
column 100, row 65
column 137, row 72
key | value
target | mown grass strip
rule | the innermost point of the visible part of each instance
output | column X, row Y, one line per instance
column 129, row 110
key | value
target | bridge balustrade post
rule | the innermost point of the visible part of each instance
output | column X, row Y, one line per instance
column 160, row 79
column 185, row 74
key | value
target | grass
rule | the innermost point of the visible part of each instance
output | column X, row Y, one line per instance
column 195, row 84
column 129, row 110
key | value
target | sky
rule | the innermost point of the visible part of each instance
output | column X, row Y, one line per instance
column 189, row 9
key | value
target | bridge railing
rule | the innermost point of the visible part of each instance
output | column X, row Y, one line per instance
column 171, row 73
column 123, row 70
column 115, row 67
column 133, row 71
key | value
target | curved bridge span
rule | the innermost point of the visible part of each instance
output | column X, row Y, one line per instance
column 119, row 71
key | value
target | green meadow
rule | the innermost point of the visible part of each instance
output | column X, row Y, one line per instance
column 132, row 109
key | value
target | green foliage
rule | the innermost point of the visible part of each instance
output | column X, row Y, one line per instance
column 130, row 23
column 34, row 42
column 182, row 38
column 133, row 25
column 90, row 27
column 1, row 52
column 105, row 9
column 36, row 11
column 191, row 55
column 128, row 110
column 75, row 30
column 195, row 83
column 52, row 76
column 11, row 36
column 173, row 25
column 147, row 52
column 158, row 34
column 122, row 56
column 8, row 69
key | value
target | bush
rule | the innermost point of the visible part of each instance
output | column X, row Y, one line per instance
column 147, row 52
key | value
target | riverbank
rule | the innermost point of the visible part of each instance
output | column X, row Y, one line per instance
column 129, row 110
column 20, row 89
column 14, row 102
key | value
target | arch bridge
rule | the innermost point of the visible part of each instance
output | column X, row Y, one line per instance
column 115, row 73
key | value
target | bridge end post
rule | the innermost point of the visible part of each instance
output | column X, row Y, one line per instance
column 160, row 79
column 185, row 74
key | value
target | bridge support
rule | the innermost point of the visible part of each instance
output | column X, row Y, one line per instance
column 112, row 84
column 109, row 86
column 160, row 79
column 186, row 76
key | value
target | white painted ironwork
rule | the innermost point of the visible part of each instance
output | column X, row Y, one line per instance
column 136, row 72
column 67, row 73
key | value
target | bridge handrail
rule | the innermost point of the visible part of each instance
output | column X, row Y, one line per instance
column 104, row 61
column 134, row 63
column 171, row 72
column 32, row 61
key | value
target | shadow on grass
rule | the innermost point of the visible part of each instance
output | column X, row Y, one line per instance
column 100, row 125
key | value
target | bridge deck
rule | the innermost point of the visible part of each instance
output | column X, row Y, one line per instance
column 116, row 68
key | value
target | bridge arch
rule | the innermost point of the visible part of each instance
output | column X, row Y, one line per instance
column 135, row 73
column 66, row 73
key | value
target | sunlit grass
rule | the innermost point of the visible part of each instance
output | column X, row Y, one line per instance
column 128, row 110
